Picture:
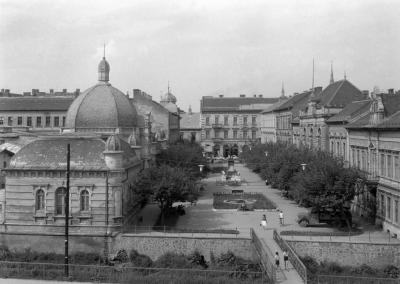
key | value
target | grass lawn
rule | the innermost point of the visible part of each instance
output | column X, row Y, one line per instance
column 233, row 201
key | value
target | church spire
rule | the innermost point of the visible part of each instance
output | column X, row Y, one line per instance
column 312, row 96
column 331, row 80
column 104, row 68
column 283, row 91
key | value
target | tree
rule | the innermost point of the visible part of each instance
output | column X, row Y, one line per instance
column 165, row 185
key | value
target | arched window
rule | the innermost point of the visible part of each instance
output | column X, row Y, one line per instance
column 59, row 199
column 40, row 199
column 84, row 200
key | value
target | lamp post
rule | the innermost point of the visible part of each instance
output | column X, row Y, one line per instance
column 266, row 153
column 201, row 168
column 303, row 166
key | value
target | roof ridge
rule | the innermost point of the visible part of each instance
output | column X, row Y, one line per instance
column 334, row 94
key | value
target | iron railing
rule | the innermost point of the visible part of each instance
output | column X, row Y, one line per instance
column 336, row 279
column 294, row 259
column 265, row 255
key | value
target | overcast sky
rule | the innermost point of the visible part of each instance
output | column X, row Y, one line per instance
column 201, row 47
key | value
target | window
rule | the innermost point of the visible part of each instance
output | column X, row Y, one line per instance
column 383, row 206
column 344, row 150
column 4, row 164
column 253, row 120
column 244, row 120
column 1, row 120
column 10, row 121
column 225, row 120
column 383, row 170
column 235, row 120
column 207, row 120
column 358, row 159
column 396, row 168
column 40, row 199
column 225, row 134
column 337, row 148
column 56, row 121
column 234, row 134
column 48, row 119
column 19, row 120
column 216, row 119
column 29, row 121
column 253, row 134
column 389, row 202
column 396, row 211
column 60, row 193
column 207, row 134
column 244, row 134
column 84, row 200
column 389, row 166
column 63, row 124
column 39, row 121
column 332, row 147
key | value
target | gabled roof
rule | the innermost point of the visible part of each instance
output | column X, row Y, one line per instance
column 274, row 106
column 12, row 148
column 391, row 103
column 35, row 103
column 190, row 121
column 339, row 94
column 351, row 111
column 296, row 103
column 231, row 103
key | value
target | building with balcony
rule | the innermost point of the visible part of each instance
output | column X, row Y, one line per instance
column 229, row 124
column 374, row 143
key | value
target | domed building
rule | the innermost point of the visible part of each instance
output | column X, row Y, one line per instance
column 102, row 108
column 107, row 150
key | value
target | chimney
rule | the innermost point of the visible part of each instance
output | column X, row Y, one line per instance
column 242, row 95
column 7, row 92
column 295, row 94
column 33, row 92
column 221, row 96
column 255, row 95
column 365, row 93
column 391, row 91
column 64, row 91
column 77, row 91
column 136, row 93
column 260, row 96
column 51, row 91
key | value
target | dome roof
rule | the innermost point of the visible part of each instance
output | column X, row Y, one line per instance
column 101, row 106
column 113, row 144
column 170, row 98
column 171, row 107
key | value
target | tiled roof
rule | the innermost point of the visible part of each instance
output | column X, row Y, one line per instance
column 275, row 106
column 296, row 103
column 9, row 147
column 51, row 153
column 391, row 103
column 35, row 103
column 231, row 103
column 190, row 121
column 351, row 111
column 339, row 94
column 392, row 122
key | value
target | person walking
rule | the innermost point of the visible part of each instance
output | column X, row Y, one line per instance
column 285, row 258
column 277, row 259
column 281, row 217
column 264, row 222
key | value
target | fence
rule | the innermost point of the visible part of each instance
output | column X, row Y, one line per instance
column 294, row 259
column 266, row 256
column 186, row 231
column 333, row 279
column 124, row 274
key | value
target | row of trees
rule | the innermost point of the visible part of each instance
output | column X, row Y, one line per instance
column 311, row 178
column 172, row 178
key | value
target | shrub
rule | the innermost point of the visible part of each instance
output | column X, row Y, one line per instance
column 86, row 258
column 310, row 263
column 139, row 260
column 172, row 260
column 392, row 271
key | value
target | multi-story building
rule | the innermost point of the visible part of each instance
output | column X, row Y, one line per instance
column 313, row 129
column 374, row 146
column 229, row 124
column 287, row 116
column 190, row 126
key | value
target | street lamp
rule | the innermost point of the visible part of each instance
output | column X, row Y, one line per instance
column 266, row 153
column 201, row 168
column 303, row 166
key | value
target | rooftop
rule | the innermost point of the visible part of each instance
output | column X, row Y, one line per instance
column 190, row 120
column 339, row 94
column 35, row 103
column 351, row 111
column 233, row 103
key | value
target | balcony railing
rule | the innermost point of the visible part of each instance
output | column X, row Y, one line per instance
column 217, row 125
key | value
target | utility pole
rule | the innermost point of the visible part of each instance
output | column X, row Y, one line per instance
column 66, row 212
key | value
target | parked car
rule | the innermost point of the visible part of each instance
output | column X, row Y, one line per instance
column 325, row 215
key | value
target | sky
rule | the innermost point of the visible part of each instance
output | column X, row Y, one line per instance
column 201, row 47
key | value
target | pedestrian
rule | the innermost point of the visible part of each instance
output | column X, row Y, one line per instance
column 277, row 259
column 285, row 258
column 281, row 218
column 264, row 222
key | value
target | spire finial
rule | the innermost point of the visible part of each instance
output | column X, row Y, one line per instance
column 104, row 50
column 345, row 76
column 331, row 80
column 283, row 91
column 168, row 87
column 312, row 86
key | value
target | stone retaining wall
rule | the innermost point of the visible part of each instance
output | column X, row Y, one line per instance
column 352, row 254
